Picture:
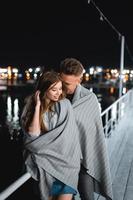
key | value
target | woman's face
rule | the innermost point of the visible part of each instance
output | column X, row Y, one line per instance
column 54, row 91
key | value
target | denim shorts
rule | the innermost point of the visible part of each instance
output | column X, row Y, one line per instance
column 59, row 187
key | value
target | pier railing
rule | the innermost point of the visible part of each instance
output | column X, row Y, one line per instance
column 113, row 114
column 111, row 117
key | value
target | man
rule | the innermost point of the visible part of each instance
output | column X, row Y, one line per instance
column 95, row 172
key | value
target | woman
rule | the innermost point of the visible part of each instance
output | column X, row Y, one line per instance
column 51, row 144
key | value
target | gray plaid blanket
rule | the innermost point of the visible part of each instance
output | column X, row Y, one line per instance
column 55, row 154
column 92, row 139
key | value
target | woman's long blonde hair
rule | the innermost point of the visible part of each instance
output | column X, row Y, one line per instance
column 44, row 83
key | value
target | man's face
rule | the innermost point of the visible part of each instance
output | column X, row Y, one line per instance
column 71, row 82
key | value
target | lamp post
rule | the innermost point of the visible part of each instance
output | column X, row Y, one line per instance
column 121, row 65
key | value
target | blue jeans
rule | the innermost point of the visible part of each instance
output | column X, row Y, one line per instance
column 59, row 188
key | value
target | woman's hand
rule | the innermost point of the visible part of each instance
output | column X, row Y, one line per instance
column 37, row 98
column 34, row 128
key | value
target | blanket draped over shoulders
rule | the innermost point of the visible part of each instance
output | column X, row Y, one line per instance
column 92, row 139
column 56, row 153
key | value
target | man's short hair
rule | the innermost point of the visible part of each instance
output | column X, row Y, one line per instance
column 71, row 66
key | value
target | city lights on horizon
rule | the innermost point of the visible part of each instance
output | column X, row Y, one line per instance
column 103, row 74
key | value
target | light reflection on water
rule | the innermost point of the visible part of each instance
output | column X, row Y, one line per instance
column 9, row 109
column 12, row 118
column 11, row 105
column 12, row 110
column 16, row 111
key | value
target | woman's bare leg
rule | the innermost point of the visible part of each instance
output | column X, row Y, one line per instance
column 65, row 197
column 62, row 197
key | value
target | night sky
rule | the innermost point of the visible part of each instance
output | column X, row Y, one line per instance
column 47, row 32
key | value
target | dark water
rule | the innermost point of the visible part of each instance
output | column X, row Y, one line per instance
column 11, row 160
column 11, row 105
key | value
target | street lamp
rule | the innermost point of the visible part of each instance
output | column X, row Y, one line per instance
column 121, row 65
